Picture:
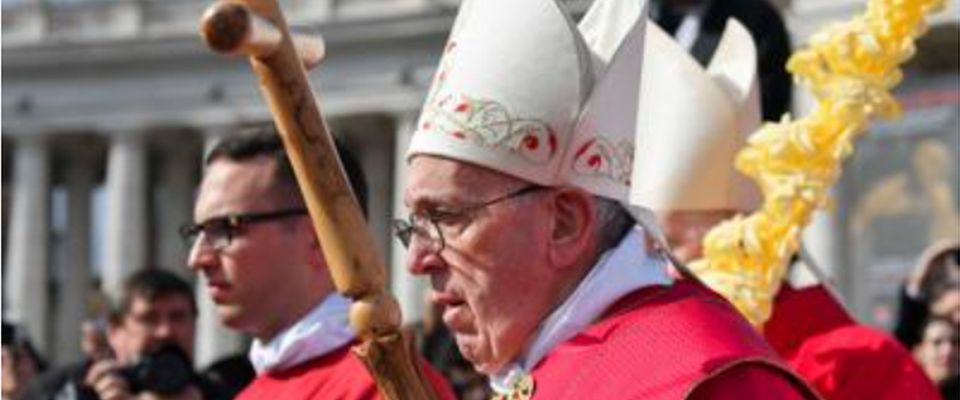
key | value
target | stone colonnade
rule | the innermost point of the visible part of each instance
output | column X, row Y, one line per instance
column 146, row 180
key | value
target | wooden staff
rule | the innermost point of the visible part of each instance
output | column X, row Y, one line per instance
column 256, row 28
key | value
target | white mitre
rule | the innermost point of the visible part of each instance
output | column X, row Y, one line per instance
column 523, row 90
column 692, row 123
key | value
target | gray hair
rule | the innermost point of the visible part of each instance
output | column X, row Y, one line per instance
column 613, row 223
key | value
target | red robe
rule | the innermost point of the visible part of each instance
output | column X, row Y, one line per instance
column 681, row 341
column 336, row 375
column 838, row 357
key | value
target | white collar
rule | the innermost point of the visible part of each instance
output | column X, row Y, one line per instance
column 619, row 271
column 324, row 329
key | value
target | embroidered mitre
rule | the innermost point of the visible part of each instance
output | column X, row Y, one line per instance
column 523, row 90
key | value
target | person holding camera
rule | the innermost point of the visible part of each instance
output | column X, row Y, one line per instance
column 147, row 350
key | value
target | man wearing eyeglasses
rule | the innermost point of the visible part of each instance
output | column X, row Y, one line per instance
column 255, row 248
column 519, row 173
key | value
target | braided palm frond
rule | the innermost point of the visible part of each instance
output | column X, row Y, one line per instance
column 850, row 68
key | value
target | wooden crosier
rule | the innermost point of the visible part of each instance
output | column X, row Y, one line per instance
column 257, row 29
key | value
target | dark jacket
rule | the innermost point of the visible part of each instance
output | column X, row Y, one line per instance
column 67, row 383
column 768, row 30
column 910, row 318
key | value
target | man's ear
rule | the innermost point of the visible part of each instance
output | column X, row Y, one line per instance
column 307, row 233
column 316, row 260
column 572, row 228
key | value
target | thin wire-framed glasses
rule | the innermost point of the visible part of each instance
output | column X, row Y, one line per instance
column 220, row 231
column 425, row 225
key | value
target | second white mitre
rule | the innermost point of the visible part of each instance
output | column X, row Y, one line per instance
column 693, row 122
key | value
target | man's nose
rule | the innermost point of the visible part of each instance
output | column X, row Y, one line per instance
column 163, row 330
column 202, row 255
column 422, row 258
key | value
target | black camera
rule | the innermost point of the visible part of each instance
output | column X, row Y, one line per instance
column 166, row 371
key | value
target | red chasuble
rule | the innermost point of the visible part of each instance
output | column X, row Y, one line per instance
column 336, row 375
column 839, row 358
column 667, row 342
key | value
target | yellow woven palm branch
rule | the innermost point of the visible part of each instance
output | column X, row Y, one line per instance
column 850, row 68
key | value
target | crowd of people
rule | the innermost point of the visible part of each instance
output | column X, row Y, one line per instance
column 158, row 309
column 556, row 270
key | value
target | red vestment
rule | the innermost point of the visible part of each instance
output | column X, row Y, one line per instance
column 841, row 359
column 336, row 375
column 667, row 342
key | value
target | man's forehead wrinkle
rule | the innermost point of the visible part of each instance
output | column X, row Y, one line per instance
column 442, row 181
column 434, row 179
column 481, row 180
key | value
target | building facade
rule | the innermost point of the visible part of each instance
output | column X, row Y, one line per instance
column 108, row 105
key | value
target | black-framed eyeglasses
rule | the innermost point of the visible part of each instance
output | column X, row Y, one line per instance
column 426, row 225
column 220, row 231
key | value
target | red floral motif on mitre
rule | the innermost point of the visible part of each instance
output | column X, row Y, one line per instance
column 598, row 157
column 486, row 123
column 489, row 124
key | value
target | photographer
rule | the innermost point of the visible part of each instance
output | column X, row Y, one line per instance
column 147, row 352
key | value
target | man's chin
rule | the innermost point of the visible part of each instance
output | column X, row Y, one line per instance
column 489, row 367
column 481, row 360
column 230, row 316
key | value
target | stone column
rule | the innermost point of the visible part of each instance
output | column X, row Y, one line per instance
column 819, row 238
column 28, row 271
column 178, row 181
column 6, row 199
column 126, row 230
column 407, row 288
column 74, row 288
column 372, row 148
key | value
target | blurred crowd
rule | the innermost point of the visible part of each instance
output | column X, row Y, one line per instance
column 149, row 337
